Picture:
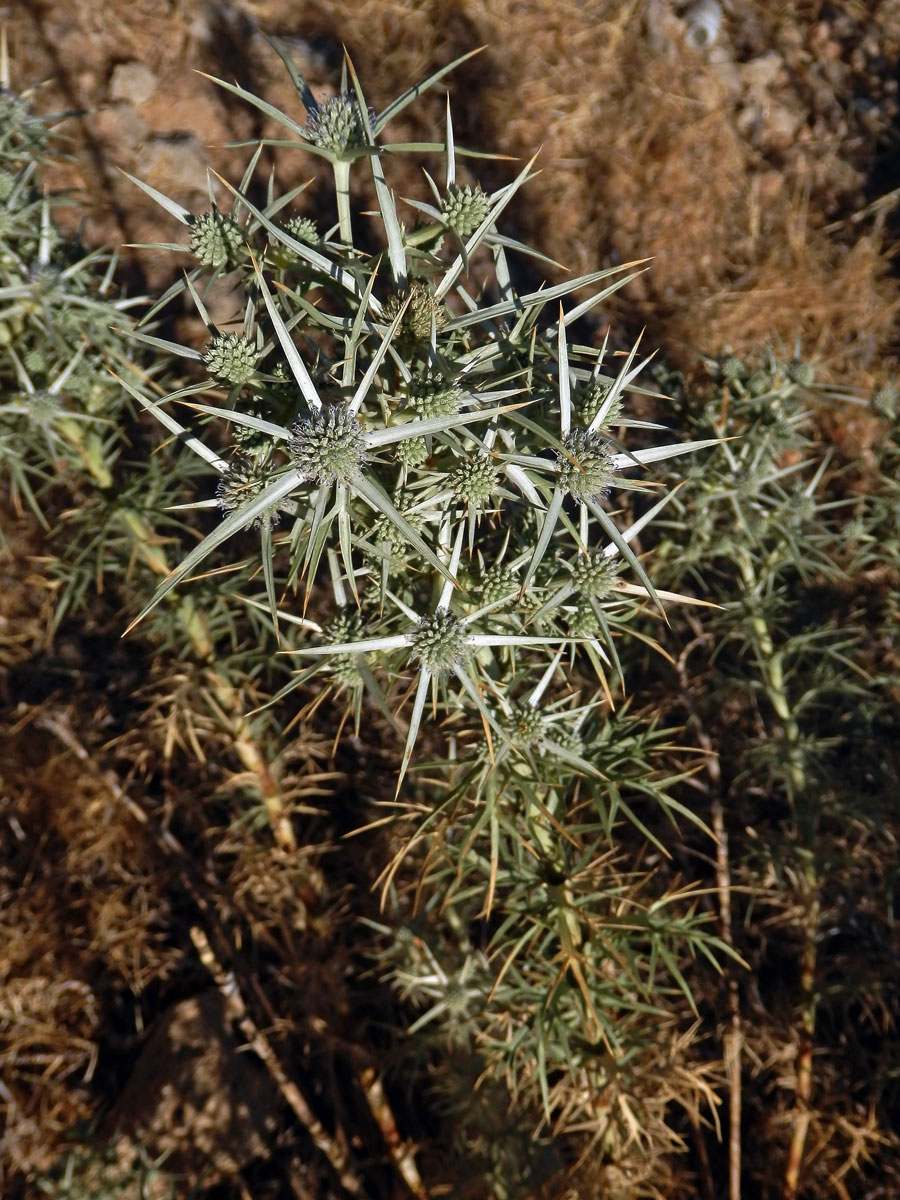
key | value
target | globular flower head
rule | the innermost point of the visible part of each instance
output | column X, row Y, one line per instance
column 216, row 239
column 799, row 508
column 524, row 726
column 759, row 383
column 464, row 208
column 432, row 395
column 590, row 399
column 801, row 373
column 337, row 125
column 423, row 309
column 302, row 229
column 439, row 642
column 473, row 480
column 251, row 441
column 35, row 361
column 384, row 530
column 344, row 668
column 583, row 622
column 328, row 445
column 44, row 278
column 7, row 183
column 231, row 357
column 586, row 467
column 732, row 368
column 412, row 452
column 242, row 483
column 594, row 575
column 19, row 126
column 43, row 406
column 497, row 582
column 884, row 402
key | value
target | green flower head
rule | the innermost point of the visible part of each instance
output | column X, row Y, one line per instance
column 328, row 446
column 423, row 310
column 439, row 642
column 525, row 726
column 497, row 582
column 586, row 467
column 302, row 229
column 242, row 483
column 473, row 481
column 591, row 398
column 412, row 452
column 464, row 208
column 344, row 668
column 431, row 395
column 231, row 357
column 595, row 575
column 337, row 125
column 216, row 239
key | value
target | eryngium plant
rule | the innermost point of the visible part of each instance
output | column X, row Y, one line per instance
column 425, row 429
column 435, row 479
column 57, row 309
column 793, row 691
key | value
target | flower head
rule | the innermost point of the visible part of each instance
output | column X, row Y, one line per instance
column 422, row 310
column 412, row 452
column 232, row 357
column 216, row 239
column 432, row 395
column 344, row 668
column 591, row 398
column 525, row 726
column 595, row 575
column 586, row 467
column 337, row 125
column 473, row 480
column 497, row 582
column 439, row 642
column 464, row 208
column 328, row 445
column 242, row 483
column 302, row 229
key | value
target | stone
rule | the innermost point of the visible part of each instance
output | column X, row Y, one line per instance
column 132, row 81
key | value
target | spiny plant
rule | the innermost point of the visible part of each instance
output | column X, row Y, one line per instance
column 804, row 675
column 414, row 431
column 73, row 451
column 57, row 305
column 411, row 420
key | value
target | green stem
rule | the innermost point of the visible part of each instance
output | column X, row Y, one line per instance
column 772, row 670
column 342, row 191
column 228, row 699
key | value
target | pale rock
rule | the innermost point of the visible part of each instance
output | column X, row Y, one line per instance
column 132, row 81
column 178, row 162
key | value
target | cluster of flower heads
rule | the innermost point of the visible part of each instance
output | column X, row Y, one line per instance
column 59, row 325
column 449, row 457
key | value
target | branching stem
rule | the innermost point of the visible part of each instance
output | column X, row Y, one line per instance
column 772, row 671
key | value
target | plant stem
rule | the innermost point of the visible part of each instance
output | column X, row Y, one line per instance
column 733, row 1041
column 227, row 697
column 771, row 668
column 342, row 192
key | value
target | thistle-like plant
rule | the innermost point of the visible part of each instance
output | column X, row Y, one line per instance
column 407, row 416
column 779, row 535
column 428, row 430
